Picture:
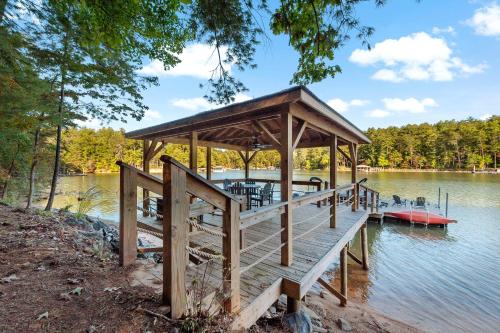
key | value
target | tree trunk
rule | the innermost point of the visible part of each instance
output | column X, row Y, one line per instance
column 57, row 157
column 32, row 168
column 9, row 174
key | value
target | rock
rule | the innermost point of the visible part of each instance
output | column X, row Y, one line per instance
column 272, row 310
column 97, row 224
column 344, row 325
column 267, row 315
column 8, row 279
column 298, row 322
column 317, row 329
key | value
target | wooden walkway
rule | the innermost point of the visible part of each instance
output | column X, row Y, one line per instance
column 262, row 284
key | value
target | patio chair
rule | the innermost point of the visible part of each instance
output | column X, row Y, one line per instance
column 226, row 184
column 263, row 196
column 420, row 202
column 398, row 201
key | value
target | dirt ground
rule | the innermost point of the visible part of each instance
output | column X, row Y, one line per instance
column 58, row 277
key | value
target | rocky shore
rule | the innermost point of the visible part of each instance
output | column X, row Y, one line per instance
column 59, row 273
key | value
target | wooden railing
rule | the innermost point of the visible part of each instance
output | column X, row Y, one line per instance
column 177, row 190
column 370, row 198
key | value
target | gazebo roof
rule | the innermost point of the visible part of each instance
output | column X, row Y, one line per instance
column 239, row 125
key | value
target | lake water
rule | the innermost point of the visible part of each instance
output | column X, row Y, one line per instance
column 440, row 280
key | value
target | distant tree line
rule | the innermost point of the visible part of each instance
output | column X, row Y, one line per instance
column 445, row 145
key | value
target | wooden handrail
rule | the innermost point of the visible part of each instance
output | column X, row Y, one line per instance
column 312, row 197
column 251, row 217
column 200, row 187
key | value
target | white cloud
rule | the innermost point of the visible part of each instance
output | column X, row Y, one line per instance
column 378, row 113
column 386, row 75
column 201, row 104
column 341, row 106
column 152, row 114
column 411, row 104
column 418, row 56
column 486, row 20
column 439, row 31
column 197, row 60
column 485, row 116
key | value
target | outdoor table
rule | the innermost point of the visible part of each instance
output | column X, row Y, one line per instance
column 246, row 190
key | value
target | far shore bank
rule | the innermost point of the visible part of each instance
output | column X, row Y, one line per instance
column 159, row 170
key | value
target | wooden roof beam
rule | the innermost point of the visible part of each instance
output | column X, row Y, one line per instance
column 212, row 144
column 299, row 130
column 301, row 112
column 267, row 133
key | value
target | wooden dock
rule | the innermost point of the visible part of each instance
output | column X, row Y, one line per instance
column 250, row 257
column 257, row 277
column 263, row 283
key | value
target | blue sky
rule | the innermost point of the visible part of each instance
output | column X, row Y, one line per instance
column 430, row 61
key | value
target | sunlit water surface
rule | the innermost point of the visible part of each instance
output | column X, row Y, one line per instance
column 440, row 280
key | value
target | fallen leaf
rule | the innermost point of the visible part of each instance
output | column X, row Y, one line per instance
column 65, row 296
column 76, row 291
column 73, row 281
column 44, row 315
column 10, row 278
column 111, row 289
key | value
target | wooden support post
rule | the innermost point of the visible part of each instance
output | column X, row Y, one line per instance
column 318, row 188
column 325, row 202
column 378, row 202
column 372, row 209
column 175, row 238
column 292, row 305
column 332, row 290
column 343, row 276
column 146, row 146
column 365, row 203
column 243, row 243
column 286, row 151
column 193, row 151
column 364, row 246
column 209, row 163
column 128, row 216
column 333, row 180
column 353, row 153
column 247, row 164
column 231, row 252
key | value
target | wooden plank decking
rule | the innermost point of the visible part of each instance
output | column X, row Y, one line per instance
column 262, row 284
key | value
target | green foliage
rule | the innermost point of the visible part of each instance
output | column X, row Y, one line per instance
column 445, row 145
column 92, row 198
column 316, row 29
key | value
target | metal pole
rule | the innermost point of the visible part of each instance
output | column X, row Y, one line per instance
column 439, row 198
column 446, row 211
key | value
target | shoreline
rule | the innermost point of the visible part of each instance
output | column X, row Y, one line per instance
column 318, row 170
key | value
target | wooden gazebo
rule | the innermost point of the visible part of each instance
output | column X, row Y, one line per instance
column 284, row 121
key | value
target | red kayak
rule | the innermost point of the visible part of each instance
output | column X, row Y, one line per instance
column 420, row 217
